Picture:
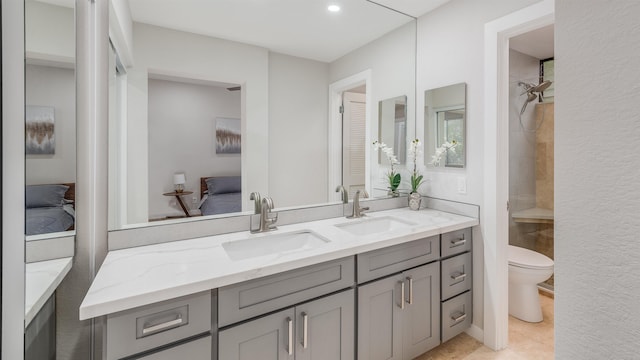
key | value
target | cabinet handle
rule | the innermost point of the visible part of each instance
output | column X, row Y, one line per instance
column 290, row 345
column 459, row 318
column 305, row 329
column 162, row 326
column 459, row 241
column 402, row 295
column 410, row 280
column 460, row 276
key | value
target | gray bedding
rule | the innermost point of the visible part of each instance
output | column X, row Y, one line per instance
column 41, row 220
column 222, row 204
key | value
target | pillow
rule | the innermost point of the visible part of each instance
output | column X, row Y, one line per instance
column 223, row 185
column 45, row 195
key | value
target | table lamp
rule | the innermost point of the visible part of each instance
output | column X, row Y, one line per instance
column 178, row 182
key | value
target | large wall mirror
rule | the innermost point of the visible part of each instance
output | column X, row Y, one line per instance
column 232, row 97
column 445, row 122
column 50, row 121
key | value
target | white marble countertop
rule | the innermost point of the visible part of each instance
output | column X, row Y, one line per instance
column 144, row 275
column 41, row 280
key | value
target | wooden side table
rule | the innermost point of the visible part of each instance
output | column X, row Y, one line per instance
column 178, row 196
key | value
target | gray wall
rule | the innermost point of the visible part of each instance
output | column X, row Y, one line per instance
column 597, row 171
column 56, row 87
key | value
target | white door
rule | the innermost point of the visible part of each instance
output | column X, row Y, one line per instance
column 353, row 141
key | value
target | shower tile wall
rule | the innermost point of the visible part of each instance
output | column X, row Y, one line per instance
column 544, row 176
column 522, row 149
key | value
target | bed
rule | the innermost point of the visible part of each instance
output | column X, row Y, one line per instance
column 220, row 195
column 49, row 208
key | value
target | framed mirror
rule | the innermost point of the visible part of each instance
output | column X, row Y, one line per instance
column 445, row 123
column 263, row 74
column 50, row 122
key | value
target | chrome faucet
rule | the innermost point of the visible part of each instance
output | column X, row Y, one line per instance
column 267, row 219
column 255, row 196
column 344, row 194
column 357, row 210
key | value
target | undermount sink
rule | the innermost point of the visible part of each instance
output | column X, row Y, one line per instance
column 374, row 225
column 273, row 244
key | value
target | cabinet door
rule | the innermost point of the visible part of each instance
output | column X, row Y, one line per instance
column 266, row 338
column 199, row 349
column 325, row 328
column 379, row 319
column 421, row 316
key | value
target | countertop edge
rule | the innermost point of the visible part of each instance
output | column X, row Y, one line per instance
column 105, row 307
column 61, row 268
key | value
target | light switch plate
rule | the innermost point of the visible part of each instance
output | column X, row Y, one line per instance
column 462, row 185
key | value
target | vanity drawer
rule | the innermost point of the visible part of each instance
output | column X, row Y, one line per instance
column 455, row 242
column 378, row 263
column 199, row 349
column 456, row 275
column 133, row 331
column 256, row 297
column 457, row 315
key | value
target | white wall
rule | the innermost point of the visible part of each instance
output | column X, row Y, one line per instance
column 522, row 148
column 52, row 86
column 596, row 179
column 182, row 139
column 450, row 51
column 392, row 64
column 298, row 95
column 49, row 31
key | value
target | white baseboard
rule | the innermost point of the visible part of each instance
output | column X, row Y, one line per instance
column 476, row 332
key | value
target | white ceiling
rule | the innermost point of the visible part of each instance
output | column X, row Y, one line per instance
column 296, row 27
column 537, row 43
column 301, row 28
column 415, row 8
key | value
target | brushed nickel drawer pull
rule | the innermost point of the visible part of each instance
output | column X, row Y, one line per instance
column 459, row 241
column 162, row 326
column 290, row 328
column 402, row 295
column 305, row 329
column 459, row 318
column 458, row 277
column 410, row 279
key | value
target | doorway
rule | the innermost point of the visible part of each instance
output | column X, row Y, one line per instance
column 354, row 104
column 495, row 212
column 356, row 90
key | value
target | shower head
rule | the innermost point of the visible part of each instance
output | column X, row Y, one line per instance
column 531, row 91
column 541, row 87
column 531, row 88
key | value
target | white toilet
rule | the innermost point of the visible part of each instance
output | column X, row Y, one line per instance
column 526, row 269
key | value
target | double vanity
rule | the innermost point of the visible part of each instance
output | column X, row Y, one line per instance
column 392, row 284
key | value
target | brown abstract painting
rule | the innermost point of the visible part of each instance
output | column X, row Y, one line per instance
column 228, row 136
column 39, row 134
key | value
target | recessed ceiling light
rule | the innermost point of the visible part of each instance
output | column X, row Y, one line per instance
column 333, row 8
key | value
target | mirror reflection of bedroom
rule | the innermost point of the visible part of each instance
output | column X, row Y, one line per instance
column 50, row 121
column 194, row 137
column 190, row 136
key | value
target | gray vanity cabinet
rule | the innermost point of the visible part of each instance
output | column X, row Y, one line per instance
column 399, row 316
column 199, row 349
column 317, row 330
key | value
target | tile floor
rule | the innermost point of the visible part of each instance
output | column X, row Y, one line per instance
column 527, row 341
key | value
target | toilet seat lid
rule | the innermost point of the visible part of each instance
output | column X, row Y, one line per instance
column 526, row 258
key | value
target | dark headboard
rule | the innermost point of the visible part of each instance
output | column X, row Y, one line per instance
column 71, row 193
column 203, row 186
